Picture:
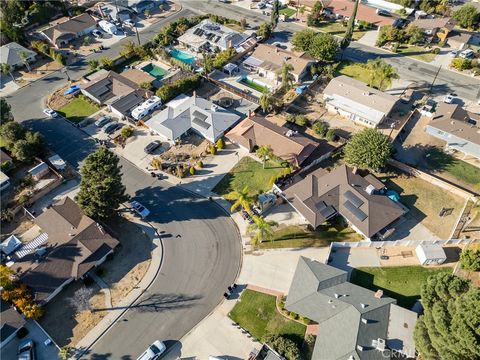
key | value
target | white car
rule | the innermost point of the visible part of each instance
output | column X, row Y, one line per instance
column 448, row 99
column 467, row 54
column 154, row 351
column 96, row 33
column 140, row 209
column 50, row 113
column 453, row 53
column 129, row 22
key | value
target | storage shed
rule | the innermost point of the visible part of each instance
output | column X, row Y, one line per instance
column 39, row 171
column 430, row 254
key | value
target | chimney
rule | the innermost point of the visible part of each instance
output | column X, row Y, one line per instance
column 194, row 93
column 379, row 294
column 250, row 114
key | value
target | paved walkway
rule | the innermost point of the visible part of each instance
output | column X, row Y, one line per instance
column 104, row 288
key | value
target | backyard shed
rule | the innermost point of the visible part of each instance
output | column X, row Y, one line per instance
column 430, row 254
column 39, row 171
column 57, row 162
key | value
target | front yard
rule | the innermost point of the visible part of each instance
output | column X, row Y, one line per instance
column 403, row 283
column 251, row 173
column 78, row 109
column 357, row 71
column 257, row 313
column 416, row 52
column 288, row 11
column 426, row 201
column 293, row 236
column 337, row 28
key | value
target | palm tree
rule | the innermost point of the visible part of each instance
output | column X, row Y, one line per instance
column 241, row 198
column 263, row 228
column 207, row 61
column 93, row 64
column 6, row 68
column 380, row 73
column 285, row 74
column 128, row 48
column 266, row 102
column 24, row 57
column 264, row 152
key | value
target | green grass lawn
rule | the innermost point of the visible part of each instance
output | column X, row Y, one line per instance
column 357, row 71
column 257, row 313
column 337, row 28
column 416, row 52
column 296, row 237
column 260, row 88
column 463, row 171
column 288, row 11
column 78, row 109
column 403, row 283
column 248, row 172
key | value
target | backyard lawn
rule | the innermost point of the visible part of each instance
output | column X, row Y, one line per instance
column 248, row 172
column 78, row 109
column 297, row 237
column 461, row 170
column 257, row 313
column 403, row 283
column 357, row 71
column 426, row 201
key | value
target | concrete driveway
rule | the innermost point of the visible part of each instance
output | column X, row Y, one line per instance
column 35, row 333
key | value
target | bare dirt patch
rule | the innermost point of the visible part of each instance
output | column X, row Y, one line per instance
column 58, row 100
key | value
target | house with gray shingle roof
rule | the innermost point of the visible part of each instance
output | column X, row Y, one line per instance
column 11, row 54
column 354, row 323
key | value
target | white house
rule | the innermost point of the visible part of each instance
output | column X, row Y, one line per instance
column 430, row 254
column 358, row 102
column 11, row 54
column 194, row 113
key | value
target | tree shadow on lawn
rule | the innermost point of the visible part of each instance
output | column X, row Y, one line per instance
column 73, row 119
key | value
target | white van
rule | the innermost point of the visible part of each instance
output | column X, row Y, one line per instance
column 108, row 27
column 146, row 107
column 154, row 351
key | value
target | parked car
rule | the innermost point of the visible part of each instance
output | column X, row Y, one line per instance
column 448, row 99
column 140, row 209
column 453, row 53
column 129, row 22
column 96, row 33
column 26, row 350
column 467, row 54
column 151, row 147
column 104, row 120
column 280, row 45
column 50, row 113
column 154, row 351
column 111, row 127
column 261, row 5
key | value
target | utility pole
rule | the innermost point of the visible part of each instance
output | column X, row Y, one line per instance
column 138, row 36
column 435, row 78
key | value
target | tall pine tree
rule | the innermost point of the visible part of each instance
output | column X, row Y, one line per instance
column 101, row 189
column 347, row 38
column 275, row 13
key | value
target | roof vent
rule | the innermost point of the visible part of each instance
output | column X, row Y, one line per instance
column 363, row 305
column 366, row 93
column 379, row 344
column 360, row 348
column 337, row 296
column 330, row 301
column 378, row 294
column 370, row 189
column 365, row 321
column 214, row 107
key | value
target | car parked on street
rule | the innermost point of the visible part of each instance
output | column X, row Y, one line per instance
column 467, row 54
column 111, row 127
column 26, row 350
column 104, row 120
column 154, row 351
column 140, row 209
column 151, row 147
column 97, row 33
column 448, row 98
column 50, row 113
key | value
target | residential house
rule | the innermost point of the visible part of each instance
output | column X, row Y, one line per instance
column 139, row 77
column 115, row 12
column 459, row 39
column 358, row 102
column 343, row 9
column 360, row 200
column 354, row 323
column 121, row 95
column 459, row 128
column 4, row 181
column 11, row 54
column 69, row 246
column 10, row 322
column 64, row 32
column 39, row 171
column 184, row 114
column 436, row 27
column 267, row 61
column 256, row 131
column 139, row 6
column 211, row 36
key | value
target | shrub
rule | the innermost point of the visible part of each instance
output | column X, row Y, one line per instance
column 320, row 128
column 330, row 135
column 290, row 118
column 301, row 120
column 126, row 132
column 220, row 144
column 6, row 166
column 22, row 199
column 169, row 91
column 436, row 51
column 212, row 149
column 192, row 170
column 284, row 346
column 470, row 260
column 200, row 164
column 395, row 47
column 223, row 57
column 60, row 58
column 461, row 64
column 180, row 171
column 156, row 163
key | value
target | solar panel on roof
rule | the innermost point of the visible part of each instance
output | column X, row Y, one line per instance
column 354, row 199
column 199, row 115
column 359, row 214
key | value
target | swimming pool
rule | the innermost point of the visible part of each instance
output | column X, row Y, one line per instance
column 182, row 56
column 154, row 70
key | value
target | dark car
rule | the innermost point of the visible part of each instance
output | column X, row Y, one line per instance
column 111, row 127
column 151, row 147
column 26, row 350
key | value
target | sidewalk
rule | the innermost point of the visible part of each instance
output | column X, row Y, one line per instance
column 110, row 319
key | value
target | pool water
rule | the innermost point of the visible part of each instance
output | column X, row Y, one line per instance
column 182, row 56
column 156, row 71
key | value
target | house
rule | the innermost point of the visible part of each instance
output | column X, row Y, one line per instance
column 139, row 77
column 256, row 131
column 267, row 61
column 459, row 128
column 430, row 254
column 139, row 6
column 69, row 246
column 356, row 101
column 4, row 181
column 459, row 39
column 343, row 9
column 194, row 113
column 265, row 353
column 10, row 245
column 436, row 27
column 11, row 54
column 63, row 33
column 353, row 322
column 120, row 94
column 211, row 36
column 361, row 200
column 115, row 12
column 10, row 322
column 39, row 171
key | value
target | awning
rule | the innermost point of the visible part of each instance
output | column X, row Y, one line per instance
column 253, row 62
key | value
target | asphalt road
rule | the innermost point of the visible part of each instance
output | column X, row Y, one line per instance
column 202, row 247
column 409, row 69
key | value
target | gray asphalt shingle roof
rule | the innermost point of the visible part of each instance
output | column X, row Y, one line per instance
column 10, row 53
